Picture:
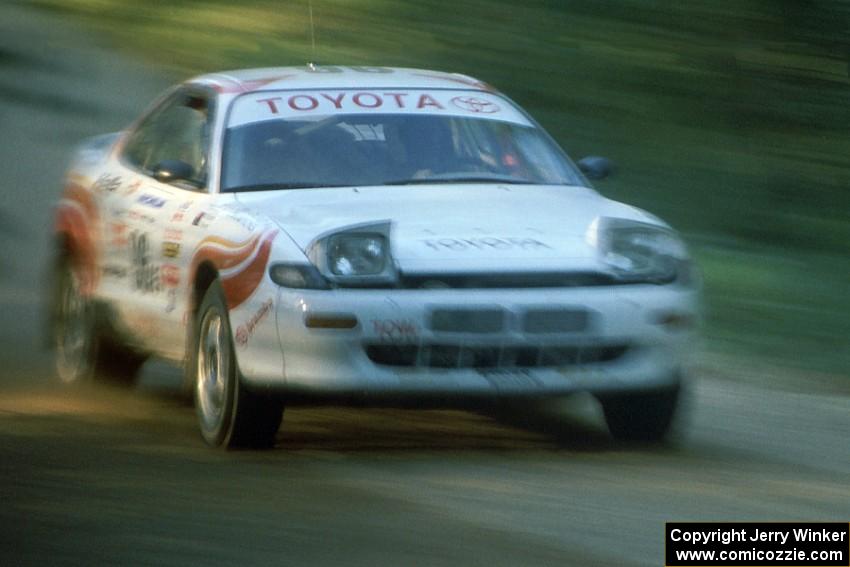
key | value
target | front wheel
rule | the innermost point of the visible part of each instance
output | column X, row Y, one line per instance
column 641, row 416
column 229, row 415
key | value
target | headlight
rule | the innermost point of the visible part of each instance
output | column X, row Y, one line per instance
column 355, row 256
column 642, row 252
column 359, row 254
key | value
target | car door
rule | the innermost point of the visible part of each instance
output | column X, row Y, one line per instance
column 164, row 164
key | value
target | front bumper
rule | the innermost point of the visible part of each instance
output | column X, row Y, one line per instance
column 506, row 342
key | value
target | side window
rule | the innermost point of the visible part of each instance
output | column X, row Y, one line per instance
column 177, row 130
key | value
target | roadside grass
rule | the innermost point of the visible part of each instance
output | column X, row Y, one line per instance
column 776, row 306
column 726, row 118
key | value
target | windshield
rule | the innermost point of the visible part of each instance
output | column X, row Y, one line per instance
column 371, row 148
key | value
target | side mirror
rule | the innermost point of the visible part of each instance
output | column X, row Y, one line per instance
column 595, row 167
column 171, row 170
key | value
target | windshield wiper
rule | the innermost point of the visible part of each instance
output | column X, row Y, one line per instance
column 279, row 186
column 472, row 178
column 434, row 179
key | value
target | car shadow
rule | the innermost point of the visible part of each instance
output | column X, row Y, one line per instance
column 572, row 424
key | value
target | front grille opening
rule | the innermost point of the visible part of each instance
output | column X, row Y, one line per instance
column 468, row 320
column 463, row 356
column 441, row 356
column 393, row 355
column 540, row 321
column 499, row 280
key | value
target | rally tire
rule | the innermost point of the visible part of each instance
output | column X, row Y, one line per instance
column 83, row 353
column 229, row 414
column 641, row 416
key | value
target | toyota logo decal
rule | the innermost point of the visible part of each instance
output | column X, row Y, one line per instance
column 474, row 104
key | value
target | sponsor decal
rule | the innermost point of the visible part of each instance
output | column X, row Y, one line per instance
column 135, row 215
column 475, row 104
column 170, row 249
column 485, row 243
column 173, row 234
column 203, row 219
column 114, row 271
column 169, row 275
column 244, row 331
column 107, row 183
column 181, row 211
column 146, row 276
column 118, row 237
column 133, row 187
column 364, row 100
column 152, row 201
column 396, row 330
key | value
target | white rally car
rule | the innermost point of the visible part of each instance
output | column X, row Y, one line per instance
column 368, row 234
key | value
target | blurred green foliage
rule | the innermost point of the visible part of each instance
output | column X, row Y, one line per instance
column 725, row 117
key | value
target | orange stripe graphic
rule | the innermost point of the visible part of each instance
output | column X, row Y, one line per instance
column 238, row 286
column 79, row 221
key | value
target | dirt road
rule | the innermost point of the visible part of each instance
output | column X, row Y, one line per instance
column 99, row 477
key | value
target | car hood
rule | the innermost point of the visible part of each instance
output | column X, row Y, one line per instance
column 438, row 228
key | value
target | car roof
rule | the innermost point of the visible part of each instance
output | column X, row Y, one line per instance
column 316, row 76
